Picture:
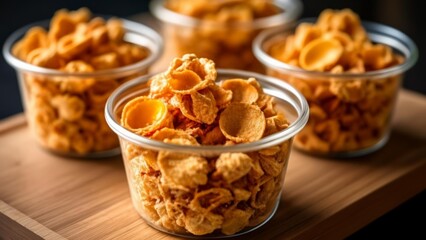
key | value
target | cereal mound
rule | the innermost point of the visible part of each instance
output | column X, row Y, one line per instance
column 65, row 110
column 346, row 113
column 224, row 31
column 191, row 193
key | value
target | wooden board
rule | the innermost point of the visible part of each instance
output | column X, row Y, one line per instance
column 50, row 197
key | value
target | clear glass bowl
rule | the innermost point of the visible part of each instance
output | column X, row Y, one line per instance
column 88, row 136
column 341, row 125
column 170, row 209
column 227, row 44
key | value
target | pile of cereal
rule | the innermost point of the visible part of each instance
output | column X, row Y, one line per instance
column 218, row 36
column 66, row 110
column 345, row 114
column 191, row 193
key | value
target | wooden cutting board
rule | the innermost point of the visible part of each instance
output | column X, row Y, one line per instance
column 50, row 197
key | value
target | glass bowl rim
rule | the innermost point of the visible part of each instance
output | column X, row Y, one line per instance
column 268, row 141
column 402, row 42
column 292, row 11
column 140, row 29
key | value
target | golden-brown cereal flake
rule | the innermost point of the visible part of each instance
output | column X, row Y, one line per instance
column 170, row 134
column 182, row 169
column 143, row 115
column 35, row 38
column 320, row 54
column 235, row 220
column 203, row 67
column 70, row 108
column 242, row 122
column 233, row 166
column 242, row 91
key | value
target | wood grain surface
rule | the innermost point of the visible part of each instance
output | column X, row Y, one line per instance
column 44, row 196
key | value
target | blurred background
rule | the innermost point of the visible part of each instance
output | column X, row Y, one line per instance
column 405, row 15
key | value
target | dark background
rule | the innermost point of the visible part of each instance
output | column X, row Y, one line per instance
column 406, row 15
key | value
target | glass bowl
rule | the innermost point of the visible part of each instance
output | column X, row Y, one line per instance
column 65, row 110
column 350, row 112
column 213, row 209
column 226, row 42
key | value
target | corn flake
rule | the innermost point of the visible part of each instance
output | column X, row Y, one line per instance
column 242, row 122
